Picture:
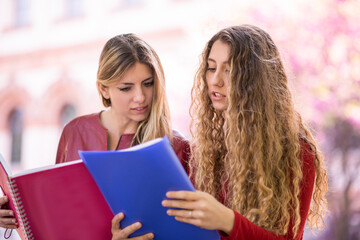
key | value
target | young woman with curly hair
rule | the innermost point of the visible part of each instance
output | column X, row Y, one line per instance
column 256, row 165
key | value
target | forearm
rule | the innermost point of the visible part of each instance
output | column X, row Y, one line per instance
column 244, row 229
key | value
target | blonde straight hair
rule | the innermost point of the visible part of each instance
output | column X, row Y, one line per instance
column 119, row 54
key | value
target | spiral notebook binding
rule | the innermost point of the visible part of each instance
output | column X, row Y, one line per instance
column 19, row 208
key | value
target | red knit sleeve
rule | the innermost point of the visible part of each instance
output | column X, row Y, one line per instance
column 244, row 229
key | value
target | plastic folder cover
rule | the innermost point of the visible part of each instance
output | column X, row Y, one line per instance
column 135, row 180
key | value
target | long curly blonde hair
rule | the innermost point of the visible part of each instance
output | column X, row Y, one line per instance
column 249, row 154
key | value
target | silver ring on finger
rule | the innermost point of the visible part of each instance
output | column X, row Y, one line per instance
column 190, row 214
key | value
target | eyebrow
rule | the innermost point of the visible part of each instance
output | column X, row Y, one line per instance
column 149, row 78
column 212, row 60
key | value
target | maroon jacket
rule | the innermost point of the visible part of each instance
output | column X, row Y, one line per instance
column 86, row 133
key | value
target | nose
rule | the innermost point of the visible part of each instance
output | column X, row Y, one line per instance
column 139, row 96
column 217, row 79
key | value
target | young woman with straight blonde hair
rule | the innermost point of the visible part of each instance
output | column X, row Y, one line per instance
column 131, row 83
column 256, row 165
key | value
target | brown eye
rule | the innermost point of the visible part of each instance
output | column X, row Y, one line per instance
column 149, row 84
column 126, row 89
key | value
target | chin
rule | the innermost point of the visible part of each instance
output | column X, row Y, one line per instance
column 219, row 107
column 141, row 118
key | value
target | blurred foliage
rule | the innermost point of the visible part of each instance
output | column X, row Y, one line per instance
column 320, row 42
column 325, row 58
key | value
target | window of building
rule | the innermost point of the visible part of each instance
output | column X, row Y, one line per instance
column 74, row 8
column 22, row 12
column 67, row 113
column 16, row 119
column 129, row 3
column 118, row 5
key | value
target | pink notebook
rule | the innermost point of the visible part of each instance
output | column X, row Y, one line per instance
column 60, row 202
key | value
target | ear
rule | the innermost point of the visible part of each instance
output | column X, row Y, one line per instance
column 104, row 90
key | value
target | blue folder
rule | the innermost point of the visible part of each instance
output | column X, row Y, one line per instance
column 135, row 180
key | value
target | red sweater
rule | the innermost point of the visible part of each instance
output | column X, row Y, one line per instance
column 245, row 230
column 86, row 133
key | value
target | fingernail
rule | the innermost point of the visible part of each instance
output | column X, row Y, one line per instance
column 14, row 221
column 138, row 224
column 164, row 202
column 168, row 212
column 11, row 213
column 150, row 236
column 120, row 214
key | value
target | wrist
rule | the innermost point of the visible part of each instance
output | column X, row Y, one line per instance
column 228, row 221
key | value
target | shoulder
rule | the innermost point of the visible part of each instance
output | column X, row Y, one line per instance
column 307, row 157
column 307, row 154
column 182, row 148
column 85, row 119
column 178, row 136
column 179, row 139
column 83, row 122
column 83, row 133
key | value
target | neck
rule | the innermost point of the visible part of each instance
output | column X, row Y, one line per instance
column 117, row 125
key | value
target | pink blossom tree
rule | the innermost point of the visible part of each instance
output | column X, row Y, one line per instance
column 321, row 44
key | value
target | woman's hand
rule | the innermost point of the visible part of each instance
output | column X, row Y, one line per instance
column 200, row 209
column 120, row 234
column 7, row 219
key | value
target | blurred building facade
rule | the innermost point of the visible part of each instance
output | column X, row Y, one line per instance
column 49, row 51
column 48, row 61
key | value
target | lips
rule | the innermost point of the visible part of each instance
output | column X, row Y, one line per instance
column 139, row 109
column 216, row 96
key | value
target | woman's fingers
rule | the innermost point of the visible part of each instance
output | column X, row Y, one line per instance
column 193, row 221
column 144, row 237
column 6, row 213
column 124, row 233
column 186, row 195
column 182, row 199
column 183, row 205
column 10, row 226
column 200, row 209
column 130, row 229
column 3, row 200
column 185, row 213
column 115, row 222
column 8, row 222
column 187, row 216
column 178, row 204
column 181, row 213
column 7, row 219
